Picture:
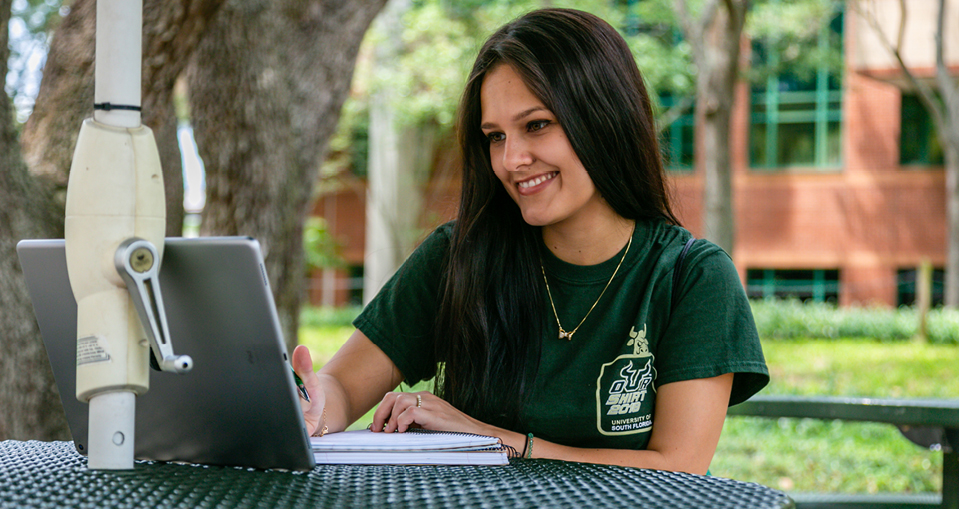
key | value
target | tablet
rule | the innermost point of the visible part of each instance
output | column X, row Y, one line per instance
column 238, row 405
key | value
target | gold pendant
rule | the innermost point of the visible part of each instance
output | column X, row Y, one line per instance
column 568, row 336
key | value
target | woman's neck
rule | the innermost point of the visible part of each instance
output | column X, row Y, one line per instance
column 588, row 244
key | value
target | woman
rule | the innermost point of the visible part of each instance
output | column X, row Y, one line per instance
column 549, row 311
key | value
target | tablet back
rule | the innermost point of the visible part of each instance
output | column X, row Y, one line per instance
column 238, row 406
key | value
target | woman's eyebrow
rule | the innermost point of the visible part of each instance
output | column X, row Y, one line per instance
column 517, row 117
column 528, row 112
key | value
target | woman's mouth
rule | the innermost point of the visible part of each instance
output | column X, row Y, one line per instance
column 533, row 182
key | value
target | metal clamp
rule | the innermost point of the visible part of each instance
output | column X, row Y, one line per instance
column 138, row 263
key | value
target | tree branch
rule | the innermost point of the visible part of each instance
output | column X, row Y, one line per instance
column 948, row 87
column 685, row 21
column 902, row 23
column 940, row 59
column 737, row 19
column 695, row 30
column 674, row 112
column 708, row 15
column 926, row 94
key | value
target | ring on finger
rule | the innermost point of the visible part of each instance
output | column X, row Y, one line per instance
column 419, row 401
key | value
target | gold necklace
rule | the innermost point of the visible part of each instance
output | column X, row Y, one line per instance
column 568, row 336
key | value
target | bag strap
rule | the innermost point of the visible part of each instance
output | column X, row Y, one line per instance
column 678, row 271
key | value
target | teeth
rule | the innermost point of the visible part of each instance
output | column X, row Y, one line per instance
column 536, row 181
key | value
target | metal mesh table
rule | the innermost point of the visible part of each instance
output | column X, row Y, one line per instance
column 53, row 474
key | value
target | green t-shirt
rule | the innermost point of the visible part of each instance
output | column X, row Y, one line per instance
column 599, row 389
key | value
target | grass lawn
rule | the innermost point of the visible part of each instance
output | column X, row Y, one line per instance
column 805, row 454
column 835, row 456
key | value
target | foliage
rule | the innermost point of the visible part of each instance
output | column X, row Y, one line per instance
column 440, row 42
column 791, row 31
column 806, row 455
column 31, row 25
column 328, row 317
column 348, row 147
column 810, row 455
column 787, row 319
column 437, row 45
column 321, row 249
column 440, row 38
column 857, row 367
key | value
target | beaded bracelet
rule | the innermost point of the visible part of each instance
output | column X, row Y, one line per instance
column 528, row 448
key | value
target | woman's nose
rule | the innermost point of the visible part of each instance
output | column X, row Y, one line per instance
column 516, row 154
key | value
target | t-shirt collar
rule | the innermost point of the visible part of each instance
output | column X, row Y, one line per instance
column 600, row 272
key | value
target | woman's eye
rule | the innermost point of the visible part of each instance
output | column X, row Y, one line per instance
column 495, row 137
column 536, row 125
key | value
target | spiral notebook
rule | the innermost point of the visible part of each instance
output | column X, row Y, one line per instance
column 414, row 447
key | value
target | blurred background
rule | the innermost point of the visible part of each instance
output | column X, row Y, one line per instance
column 817, row 141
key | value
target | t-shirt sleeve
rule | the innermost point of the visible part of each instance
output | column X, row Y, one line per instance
column 399, row 320
column 711, row 330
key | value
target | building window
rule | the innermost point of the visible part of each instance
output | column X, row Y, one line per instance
column 676, row 139
column 906, row 279
column 796, row 113
column 817, row 285
column 354, row 285
column 918, row 136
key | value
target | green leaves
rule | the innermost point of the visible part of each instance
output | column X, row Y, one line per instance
column 322, row 250
column 797, row 37
column 431, row 51
column 790, row 319
column 440, row 39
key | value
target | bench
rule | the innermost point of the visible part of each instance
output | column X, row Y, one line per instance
column 926, row 422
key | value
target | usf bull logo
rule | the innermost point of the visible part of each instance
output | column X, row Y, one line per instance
column 624, row 390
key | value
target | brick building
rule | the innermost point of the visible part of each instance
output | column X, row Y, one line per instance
column 839, row 189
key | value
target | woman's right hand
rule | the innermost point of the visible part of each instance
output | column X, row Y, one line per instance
column 347, row 386
column 313, row 409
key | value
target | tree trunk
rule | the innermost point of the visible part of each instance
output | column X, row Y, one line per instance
column 951, row 156
column 399, row 160
column 941, row 100
column 716, row 99
column 382, row 247
column 33, row 203
column 266, row 87
column 715, row 39
column 171, row 32
column 948, row 126
column 28, row 396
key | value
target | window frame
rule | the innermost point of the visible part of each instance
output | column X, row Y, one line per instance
column 826, row 100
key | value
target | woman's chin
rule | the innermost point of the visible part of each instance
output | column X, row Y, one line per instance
column 535, row 219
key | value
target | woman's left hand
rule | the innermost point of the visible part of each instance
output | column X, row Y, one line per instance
column 400, row 411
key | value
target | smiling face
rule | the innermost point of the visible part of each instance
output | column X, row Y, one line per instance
column 532, row 157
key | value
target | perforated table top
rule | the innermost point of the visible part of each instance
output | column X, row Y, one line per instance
column 53, row 474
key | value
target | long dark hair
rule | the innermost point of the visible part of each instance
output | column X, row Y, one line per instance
column 493, row 311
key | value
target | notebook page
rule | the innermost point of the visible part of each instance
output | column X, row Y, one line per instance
column 413, row 440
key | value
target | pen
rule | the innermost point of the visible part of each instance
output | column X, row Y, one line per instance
column 299, row 385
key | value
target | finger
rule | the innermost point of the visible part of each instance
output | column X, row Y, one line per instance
column 404, row 401
column 303, row 366
column 398, row 407
column 383, row 412
column 414, row 416
column 407, row 418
